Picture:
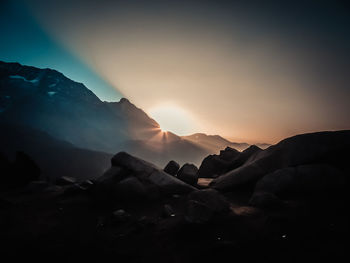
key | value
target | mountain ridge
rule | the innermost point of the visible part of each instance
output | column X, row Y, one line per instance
column 45, row 99
column 215, row 143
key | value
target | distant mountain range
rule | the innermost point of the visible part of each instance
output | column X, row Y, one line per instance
column 215, row 143
column 44, row 100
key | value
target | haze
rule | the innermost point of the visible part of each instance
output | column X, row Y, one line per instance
column 236, row 70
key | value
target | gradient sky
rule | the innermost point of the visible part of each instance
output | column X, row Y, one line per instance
column 249, row 72
column 23, row 40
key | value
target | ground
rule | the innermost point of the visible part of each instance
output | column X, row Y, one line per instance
column 75, row 226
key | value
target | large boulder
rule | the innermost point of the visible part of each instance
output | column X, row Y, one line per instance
column 320, row 147
column 212, row 166
column 172, row 168
column 244, row 157
column 131, row 178
column 215, row 165
column 211, row 198
column 132, row 188
column 302, row 180
column 198, row 213
column 188, row 174
column 229, row 154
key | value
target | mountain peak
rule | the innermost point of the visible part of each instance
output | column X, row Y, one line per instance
column 124, row 100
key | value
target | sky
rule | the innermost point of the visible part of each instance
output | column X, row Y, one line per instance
column 23, row 40
column 249, row 71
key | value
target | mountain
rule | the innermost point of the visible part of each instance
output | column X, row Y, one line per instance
column 138, row 122
column 46, row 100
column 55, row 158
column 166, row 146
column 215, row 143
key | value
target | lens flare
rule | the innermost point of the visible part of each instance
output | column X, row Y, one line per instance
column 173, row 118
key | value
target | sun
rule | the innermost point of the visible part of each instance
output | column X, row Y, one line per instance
column 173, row 118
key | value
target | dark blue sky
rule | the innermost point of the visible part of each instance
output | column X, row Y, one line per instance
column 24, row 41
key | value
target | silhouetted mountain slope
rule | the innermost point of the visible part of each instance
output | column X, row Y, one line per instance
column 321, row 147
column 46, row 100
column 138, row 123
column 55, row 158
column 215, row 143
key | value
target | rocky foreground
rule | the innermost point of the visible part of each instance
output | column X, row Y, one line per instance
column 283, row 204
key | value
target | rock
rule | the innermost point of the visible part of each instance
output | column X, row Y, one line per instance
column 229, row 154
column 152, row 178
column 120, row 216
column 131, row 178
column 212, row 166
column 168, row 211
column 211, row 198
column 265, row 200
column 125, row 160
column 172, row 168
column 74, row 189
column 150, row 173
column 205, row 205
column 320, row 147
column 66, row 180
column 86, row 184
column 198, row 213
column 112, row 174
column 215, row 165
column 302, row 180
column 131, row 188
column 188, row 174
column 244, row 157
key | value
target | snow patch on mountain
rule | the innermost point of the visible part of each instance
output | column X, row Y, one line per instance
column 51, row 93
column 34, row 81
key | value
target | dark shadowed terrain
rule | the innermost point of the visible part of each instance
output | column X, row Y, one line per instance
column 293, row 209
column 83, row 180
column 55, row 157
